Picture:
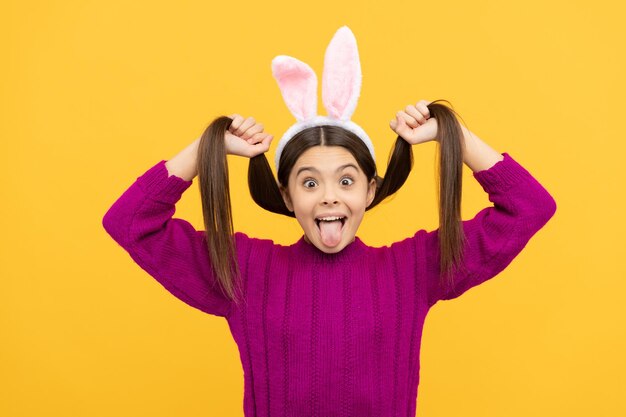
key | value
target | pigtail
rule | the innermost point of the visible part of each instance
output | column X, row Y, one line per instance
column 264, row 188
column 399, row 167
column 450, row 168
column 216, row 207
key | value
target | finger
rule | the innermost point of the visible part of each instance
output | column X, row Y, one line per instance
column 408, row 119
column 256, row 138
column 247, row 123
column 265, row 144
column 262, row 146
column 413, row 112
column 237, row 121
column 258, row 127
column 422, row 107
column 402, row 129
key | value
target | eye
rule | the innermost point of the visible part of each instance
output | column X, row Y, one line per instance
column 347, row 181
column 309, row 183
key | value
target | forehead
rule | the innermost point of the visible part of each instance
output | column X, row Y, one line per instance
column 325, row 158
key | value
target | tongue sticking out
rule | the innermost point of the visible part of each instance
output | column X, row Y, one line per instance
column 331, row 232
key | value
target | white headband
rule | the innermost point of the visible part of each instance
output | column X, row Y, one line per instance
column 341, row 86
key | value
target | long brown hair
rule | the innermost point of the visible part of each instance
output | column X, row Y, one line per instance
column 216, row 208
column 265, row 188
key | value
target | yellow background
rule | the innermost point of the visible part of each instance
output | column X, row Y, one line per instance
column 94, row 93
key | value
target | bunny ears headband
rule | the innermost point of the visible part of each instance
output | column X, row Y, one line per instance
column 341, row 86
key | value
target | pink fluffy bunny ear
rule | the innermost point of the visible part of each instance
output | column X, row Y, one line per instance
column 341, row 80
column 298, row 85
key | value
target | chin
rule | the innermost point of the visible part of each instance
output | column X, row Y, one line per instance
column 334, row 249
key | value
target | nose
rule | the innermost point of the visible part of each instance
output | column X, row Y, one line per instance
column 330, row 197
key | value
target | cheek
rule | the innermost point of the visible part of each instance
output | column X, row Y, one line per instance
column 359, row 198
column 357, row 204
column 303, row 203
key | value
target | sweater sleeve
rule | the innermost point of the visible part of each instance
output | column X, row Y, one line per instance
column 167, row 248
column 497, row 234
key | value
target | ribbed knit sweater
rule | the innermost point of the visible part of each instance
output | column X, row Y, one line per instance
column 327, row 334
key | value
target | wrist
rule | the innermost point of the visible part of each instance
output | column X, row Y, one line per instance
column 184, row 164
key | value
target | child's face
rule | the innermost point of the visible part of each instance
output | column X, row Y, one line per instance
column 327, row 182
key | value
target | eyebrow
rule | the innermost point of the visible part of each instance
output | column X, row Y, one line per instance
column 316, row 170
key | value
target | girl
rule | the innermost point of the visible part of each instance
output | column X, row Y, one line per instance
column 327, row 326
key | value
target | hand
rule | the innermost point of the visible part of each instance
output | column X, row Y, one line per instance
column 414, row 124
column 245, row 137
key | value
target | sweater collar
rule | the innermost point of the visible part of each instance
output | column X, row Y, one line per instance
column 354, row 248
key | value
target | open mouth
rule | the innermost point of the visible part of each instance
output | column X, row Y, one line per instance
column 330, row 219
column 330, row 228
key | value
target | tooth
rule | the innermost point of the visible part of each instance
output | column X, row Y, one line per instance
column 330, row 218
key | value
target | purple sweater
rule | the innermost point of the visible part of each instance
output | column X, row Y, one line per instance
column 327, row 334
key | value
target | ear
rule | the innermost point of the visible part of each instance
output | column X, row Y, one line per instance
column 286, row 198
column 371, row 191
column 341, row 79
column 298, row 84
